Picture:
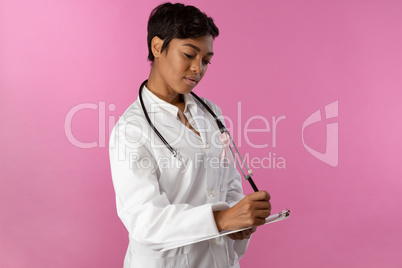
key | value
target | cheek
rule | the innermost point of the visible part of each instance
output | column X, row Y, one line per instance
column 178, row 67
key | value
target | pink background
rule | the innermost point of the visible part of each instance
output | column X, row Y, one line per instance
column 279, row 58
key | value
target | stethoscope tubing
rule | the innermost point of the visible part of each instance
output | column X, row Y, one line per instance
column 221, row 127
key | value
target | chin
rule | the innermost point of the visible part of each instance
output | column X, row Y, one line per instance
column 187, row 89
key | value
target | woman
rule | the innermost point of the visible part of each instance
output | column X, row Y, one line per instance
column 174, row 196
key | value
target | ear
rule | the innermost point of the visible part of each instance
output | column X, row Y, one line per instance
column 156, row 46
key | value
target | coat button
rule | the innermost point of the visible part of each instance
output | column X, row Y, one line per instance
column 211, row 193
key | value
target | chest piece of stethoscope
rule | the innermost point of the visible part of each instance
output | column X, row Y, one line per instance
column 177, row 154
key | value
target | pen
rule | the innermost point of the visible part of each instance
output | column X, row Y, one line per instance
column 250, row 180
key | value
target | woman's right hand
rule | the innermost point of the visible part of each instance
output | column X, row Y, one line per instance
column 251, row 211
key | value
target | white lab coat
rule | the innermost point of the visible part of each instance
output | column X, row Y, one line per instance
column 162, row 200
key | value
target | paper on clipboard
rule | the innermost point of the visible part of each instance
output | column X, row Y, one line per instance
column 284, row 214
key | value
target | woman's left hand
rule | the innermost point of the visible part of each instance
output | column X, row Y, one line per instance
column 245, row 234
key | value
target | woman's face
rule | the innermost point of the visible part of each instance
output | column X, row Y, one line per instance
column 182, row 66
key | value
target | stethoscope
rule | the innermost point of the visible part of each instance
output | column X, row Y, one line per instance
column 221, row 127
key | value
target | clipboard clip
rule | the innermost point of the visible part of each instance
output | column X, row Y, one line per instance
column 285, row 213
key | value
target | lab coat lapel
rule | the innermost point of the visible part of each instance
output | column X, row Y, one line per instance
column 201, row 121
column 161, row 111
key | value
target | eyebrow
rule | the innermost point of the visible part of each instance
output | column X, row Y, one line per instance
column 198, row 49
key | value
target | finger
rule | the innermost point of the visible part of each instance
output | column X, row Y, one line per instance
column 246, row 234
column 239, row 235
column 236, row 236
column 258, row 222
column 262, row 213
column 262, row 195
column 267, row 196
column 262, row 205
column 231, row 236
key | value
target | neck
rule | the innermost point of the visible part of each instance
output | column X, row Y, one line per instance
column 156, row 85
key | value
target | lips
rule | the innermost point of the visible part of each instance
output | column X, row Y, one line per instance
column 191, row 80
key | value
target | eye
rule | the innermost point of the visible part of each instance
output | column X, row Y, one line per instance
column 205, row 62
column 188, row 56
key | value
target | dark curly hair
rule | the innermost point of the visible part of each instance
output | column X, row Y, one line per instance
column 168, row 21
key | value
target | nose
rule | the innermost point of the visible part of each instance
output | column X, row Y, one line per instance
column 196, row 66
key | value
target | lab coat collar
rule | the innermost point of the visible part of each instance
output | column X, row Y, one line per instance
column 190, row 103
column 169, row 111
column 157, row 105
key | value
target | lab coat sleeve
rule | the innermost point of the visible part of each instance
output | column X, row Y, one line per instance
column 144, row 210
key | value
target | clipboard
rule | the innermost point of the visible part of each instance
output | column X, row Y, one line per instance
column 284, row 214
